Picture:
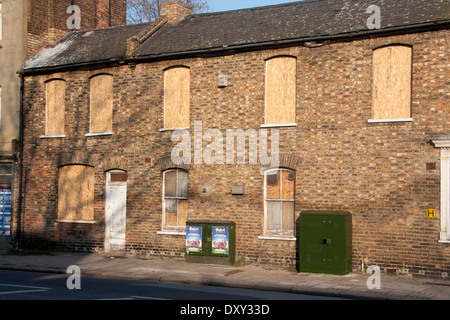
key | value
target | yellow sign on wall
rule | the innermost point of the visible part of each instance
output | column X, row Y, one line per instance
column 431, row 213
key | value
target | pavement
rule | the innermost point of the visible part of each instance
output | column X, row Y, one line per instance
column 351, row 286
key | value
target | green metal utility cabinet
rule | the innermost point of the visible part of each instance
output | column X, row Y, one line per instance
column 325, row 242
column 211, row 242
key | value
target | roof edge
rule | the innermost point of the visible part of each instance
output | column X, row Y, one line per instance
column 422, row 27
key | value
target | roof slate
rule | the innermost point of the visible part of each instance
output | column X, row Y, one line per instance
column 296, row 20
column 98, row 45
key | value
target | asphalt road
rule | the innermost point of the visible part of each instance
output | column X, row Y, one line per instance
column 19, row 285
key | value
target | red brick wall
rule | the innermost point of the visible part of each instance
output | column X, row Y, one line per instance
column 175, row 10
column 47, row 20
column 377, row 171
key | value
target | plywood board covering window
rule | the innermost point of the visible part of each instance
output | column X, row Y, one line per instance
column 76, row 193
column 280, row 90
column 175, row 198
column 56, row 107
column 392, row 82
column 101, row 103
column 177, row 97
column 280, row 202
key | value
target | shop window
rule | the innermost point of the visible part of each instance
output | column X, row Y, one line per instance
column 279, row 202
column 175, row 200
column 280, row 91
column 176, row 98
column 76, row 193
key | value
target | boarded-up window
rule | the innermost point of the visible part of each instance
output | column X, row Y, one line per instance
column 280, row 201
column 101, row 103
column 280, row 90
column 56, row 107
column 392, row 82
column 175, row 198
column 177, row 98
column 118, row 177
column 76, row 193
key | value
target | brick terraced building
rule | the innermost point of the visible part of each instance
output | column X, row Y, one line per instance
column 26, row 26
column 361, row 111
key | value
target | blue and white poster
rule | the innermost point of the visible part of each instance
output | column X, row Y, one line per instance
column 5, row 212
column 220, row 240
column 193, row 239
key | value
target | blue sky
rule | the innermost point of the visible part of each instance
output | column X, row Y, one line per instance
column 225, row 5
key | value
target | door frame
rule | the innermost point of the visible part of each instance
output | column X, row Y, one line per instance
column 108, row 184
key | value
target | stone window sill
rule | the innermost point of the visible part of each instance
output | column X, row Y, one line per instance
column 281, row 125
column 274, row 237
column 173, row 129
column 76, row 221
column 172, row 232
column 390, row 120
column 100, row 134
column 54, row 136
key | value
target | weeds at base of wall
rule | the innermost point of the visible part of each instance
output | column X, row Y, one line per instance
column 45, row 246
column 35, row 246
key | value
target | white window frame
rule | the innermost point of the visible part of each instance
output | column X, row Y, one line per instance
column 171, row 230
column 273, row 235
column 444, row 145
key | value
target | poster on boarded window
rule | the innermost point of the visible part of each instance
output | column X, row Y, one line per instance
column 193, row 239
column 5, row 212
column 220, row 240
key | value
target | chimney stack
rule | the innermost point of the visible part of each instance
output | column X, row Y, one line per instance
column 174, row 11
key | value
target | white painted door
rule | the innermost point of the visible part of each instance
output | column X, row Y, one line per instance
column 116, row 211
